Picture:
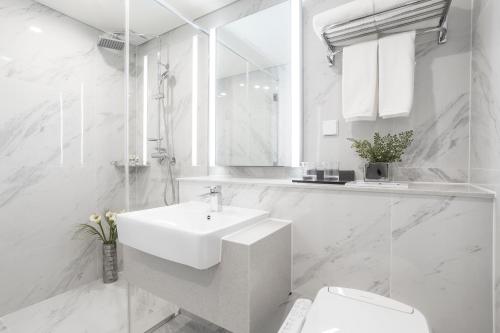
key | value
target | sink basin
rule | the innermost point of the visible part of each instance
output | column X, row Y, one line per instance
column 187, row 233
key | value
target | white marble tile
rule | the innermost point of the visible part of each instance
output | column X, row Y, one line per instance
column 442, row 261
column 37, row 229
column 485, row 133
column 186, row 324
column 146, row 310
column 59, row 54
column 94, row 307
column 53, row 179
column 485, row 85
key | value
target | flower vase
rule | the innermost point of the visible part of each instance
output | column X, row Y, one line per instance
column 109, row 263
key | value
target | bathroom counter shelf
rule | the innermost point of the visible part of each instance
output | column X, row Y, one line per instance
column 435, row 189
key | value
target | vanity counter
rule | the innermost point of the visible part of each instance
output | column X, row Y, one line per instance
column 436, row 189
column 428, row 244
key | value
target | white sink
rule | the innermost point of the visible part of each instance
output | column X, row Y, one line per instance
column 187, row 233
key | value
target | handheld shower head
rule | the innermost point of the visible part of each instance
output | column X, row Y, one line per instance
column 165, row 74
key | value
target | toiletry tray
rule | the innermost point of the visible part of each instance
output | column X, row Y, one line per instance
column 345, row 176
column 319, row 181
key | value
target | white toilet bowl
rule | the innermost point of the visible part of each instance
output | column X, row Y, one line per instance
column 339, row 310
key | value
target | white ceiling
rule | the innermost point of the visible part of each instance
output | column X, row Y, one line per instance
column 146, row 16
column 263, row 38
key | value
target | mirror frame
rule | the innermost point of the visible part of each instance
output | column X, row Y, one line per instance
column 296, row 88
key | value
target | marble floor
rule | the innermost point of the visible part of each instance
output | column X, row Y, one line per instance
column 95, row 308
column 187, row 324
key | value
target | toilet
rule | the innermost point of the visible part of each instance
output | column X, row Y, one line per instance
column 343, row 310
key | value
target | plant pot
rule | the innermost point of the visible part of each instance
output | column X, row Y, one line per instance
column 109, row 263
column 377, row 172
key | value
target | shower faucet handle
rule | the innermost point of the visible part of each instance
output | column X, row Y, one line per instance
column 155, row 139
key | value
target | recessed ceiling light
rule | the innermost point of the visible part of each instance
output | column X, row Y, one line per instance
column 242, row 84
column 36, row 29
column 5, row 58
column 256, row 86
column 266, row 87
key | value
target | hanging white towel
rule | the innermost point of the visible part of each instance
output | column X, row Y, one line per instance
column 359, row 82
column 396, row 74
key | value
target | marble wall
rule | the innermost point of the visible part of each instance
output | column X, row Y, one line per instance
column 431, row 251
column 61, row 124
column 485, row 115
column 396, row 246
column 440, row 117
column 51, row 70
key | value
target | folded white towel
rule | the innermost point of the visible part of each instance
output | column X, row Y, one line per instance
column 358, row 9
column 359, row 81
column 341, row 14
column 396, row 74
column 383, row 5
column 402, row 13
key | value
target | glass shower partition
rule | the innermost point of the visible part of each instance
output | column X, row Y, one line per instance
column 166, row 120
column 168, row 109
column 62, row 134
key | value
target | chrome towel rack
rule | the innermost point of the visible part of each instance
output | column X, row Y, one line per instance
column 424, row 16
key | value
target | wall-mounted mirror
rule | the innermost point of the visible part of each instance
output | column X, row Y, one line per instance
column 256, row 106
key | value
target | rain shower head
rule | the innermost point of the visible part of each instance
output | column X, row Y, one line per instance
column 111, row 41
column 116, row 40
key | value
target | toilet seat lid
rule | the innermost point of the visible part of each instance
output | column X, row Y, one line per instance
column 343, row 310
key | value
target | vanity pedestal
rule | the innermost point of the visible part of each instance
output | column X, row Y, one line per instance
column 241, row 294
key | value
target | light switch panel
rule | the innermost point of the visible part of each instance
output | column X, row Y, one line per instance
column 330, row 127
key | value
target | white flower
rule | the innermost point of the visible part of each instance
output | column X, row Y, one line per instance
column 111, row 216
column 95, row 218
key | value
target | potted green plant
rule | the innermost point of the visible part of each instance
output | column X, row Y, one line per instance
column 380, row 153
column 108, row 235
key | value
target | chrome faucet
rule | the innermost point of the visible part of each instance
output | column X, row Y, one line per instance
column 215, row 196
